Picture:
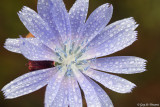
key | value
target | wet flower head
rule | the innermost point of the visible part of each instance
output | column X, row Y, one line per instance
column 64, row 54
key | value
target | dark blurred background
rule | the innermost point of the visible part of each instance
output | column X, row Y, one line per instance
column 145, row 12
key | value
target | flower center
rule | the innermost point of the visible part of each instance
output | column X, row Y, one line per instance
column 69, row 56
column 69, row 60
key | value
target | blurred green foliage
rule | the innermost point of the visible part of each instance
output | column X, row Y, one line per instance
column 145, row 12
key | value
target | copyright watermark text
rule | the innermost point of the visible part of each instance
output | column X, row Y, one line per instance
column 148, row 105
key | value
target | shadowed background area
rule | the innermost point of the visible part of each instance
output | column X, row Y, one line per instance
column 145, row 12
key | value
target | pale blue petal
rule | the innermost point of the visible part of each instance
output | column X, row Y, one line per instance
column 89, row 92
column 13, row 45
column 38, row 27
column 78, row 14
column 112, row 30
column 44, row 10
column 113, row 38
column 61, row 97
column 53, row 87
column 96, row 22
column 61, row 19
column 35, row 50
column 104, row 98
column 28, row 83
column 66, row 94
column 75, row 98
column 120, row 64
column 110, row 81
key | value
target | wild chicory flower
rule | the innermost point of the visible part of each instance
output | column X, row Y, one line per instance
column 74, row 45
